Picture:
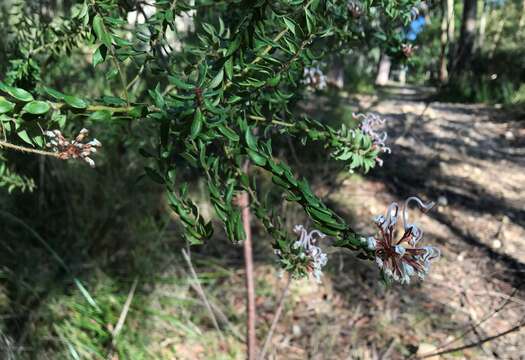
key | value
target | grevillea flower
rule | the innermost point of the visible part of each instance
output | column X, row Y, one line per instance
column 75, row 149
column 355, row 8
column 369, row 125
column 306, row 243
column 401, row 259
column 408, row 49
column 314, row 78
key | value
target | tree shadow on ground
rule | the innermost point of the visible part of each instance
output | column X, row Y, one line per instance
column 417, row 169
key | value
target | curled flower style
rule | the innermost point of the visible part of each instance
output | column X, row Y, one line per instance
column 306, row 243
column 76, row 149
column 401, row 259
column 369, row 126
column 314, row 78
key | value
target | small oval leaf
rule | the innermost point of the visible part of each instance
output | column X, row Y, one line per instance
column 75, row 102
column 100, row 30
column 196, row 125
column 101, row 115
column 217, row 80
column 180, row 84
column 5, row 106
column 20, row 94
column 53, row 93
column 37, row 107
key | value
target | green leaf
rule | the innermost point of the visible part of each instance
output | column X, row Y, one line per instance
column 290, row 25
column 217, row 80
column 234, row 99
column 59, row 119
column 75, row 102
column 257, row 157
column 154, row 175
column 347, row 154
column 5, row 105
column 234, row 45
column 100, row 30
column 310, row 20
column 239, row 228
column 113, row 100
column 156, row 95
column 37, row 107
column 221, row 26
column 101, row 115
column 250, row 139
column 274, row 81
column 53, row 93
column 39, row 140
column 20, row 94
column 282, row 183
column 203, row 71
column 180, row 84
column 196, row 125
column 321, row 216
column 111, row 74
column 229, row 133
column 24, row 136
column 99, row 56
column 326, row 230
column 228, row 67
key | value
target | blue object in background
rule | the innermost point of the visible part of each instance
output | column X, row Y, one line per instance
column 415, row 27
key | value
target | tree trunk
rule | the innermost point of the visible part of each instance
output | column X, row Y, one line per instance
column 521, row 24
column 467, row 36
column 482, row 26
column 443, row 71
column 383, row 71
column 497, row 36
column 450, row 21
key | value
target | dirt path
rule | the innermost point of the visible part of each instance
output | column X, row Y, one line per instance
column 470, row 160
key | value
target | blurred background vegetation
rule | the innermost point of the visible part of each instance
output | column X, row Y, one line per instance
column 77, row 243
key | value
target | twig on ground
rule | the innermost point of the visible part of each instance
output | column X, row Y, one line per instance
column 386, row 354
column 221, row 316
column 125, row 310
column 122, row 319
column 200, row 291
column 275, row 320
column 477, row 343
column 508, row 299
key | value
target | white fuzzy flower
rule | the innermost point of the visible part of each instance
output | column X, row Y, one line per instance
column 76, row 149
column 401, row 259
column 307, row 243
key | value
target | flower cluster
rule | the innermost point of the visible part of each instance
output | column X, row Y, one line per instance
column 317, row 259
column 369, row 126
column 408, row 49
column 355, row 8
column 417, row 10
column 314, row 78
column 401, row 259
column 76, row 149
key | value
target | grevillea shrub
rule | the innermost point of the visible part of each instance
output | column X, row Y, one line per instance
column 218, row 81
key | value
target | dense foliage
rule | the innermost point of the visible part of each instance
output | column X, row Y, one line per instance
column 215, row 99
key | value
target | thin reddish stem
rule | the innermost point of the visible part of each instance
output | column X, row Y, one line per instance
column 251, row 340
